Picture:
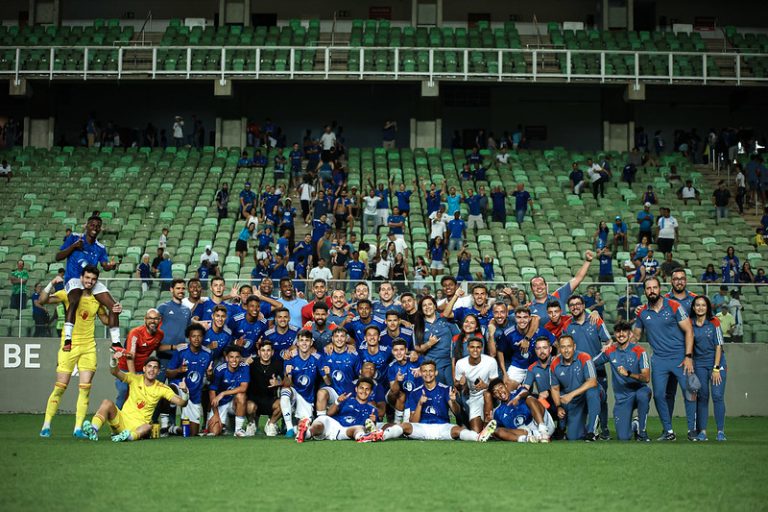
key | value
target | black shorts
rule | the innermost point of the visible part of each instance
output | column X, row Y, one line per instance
column 241, row 246
column 263, row 405
column 665, row 244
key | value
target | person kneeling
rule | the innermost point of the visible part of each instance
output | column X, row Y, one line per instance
column 227, row 393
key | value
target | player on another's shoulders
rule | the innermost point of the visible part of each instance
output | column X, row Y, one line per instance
column 218, row 336
column 403, row 375
column 519, row 418
column 191, row 363
column 346, row 418
column 266, row 379
column 426, row 414
column 282, row 335
column 134, row 421
column 302, row 371
column 227, row 393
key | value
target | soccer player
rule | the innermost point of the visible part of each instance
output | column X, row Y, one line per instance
column 338, row 371
column 301, row 373
column 519, row 418
column 542, row 297
column 394, row 331
column 426, row 414
column 218, row 337
column 631, row 374
column 82, row 349
column 472, row 376
column 574, row 389
column 134, row 421
column 266, row 379
column 403, row 375
column 358, row 326
column 480, row 307
column 372, row 351
column 513, row 346
column 670, row 334
column 346, row 418
column 590, row 338
column 81, row 250
column 322, row 330
column 227, row 393
column 248, row 331
column 283, row 334
column 191, row 364
column 139, row 345
column 379, row 394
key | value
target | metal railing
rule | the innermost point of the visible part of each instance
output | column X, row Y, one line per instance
column 430, row 64
column 136, row 300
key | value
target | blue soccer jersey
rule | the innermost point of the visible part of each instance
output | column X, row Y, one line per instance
column 89, row 254
column 351, row 413
column 588, row 337
column 435, row 409
column 706, row 338
column 197, row 365
column 508, row 415
column 537, row 375
column 444, row 331
column 356, row 328
column 570, row 376
column 221, row 339
column 343, row 367
column 304, row 374
column 356, row 270
column 561, row 295
column 380, row 359
column 686, row 301
column 226, row 380
column 385, row 340
column 662, row 329
column 281, row 342
column 251, row 332
column 633, row 358
column 459, row 314
column 404, row 200
column 509, row 344
column 204, row 310
column 411, row 375
column 380, row 310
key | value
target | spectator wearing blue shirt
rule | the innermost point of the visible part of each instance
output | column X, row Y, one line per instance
column 605, row 259
column 295, row 156
column 576, row 179
column 244, row 161
column 475, row 218
column 433, row 197
column 165, row 272
column 487, row 265
column 645, row 223
column 457, row 232
column 247, row 201
column 452, row 201
column 478, row 173
column 620, row 234
column 144, row 272
column 404, row 199
column 499, row 202
column 522, row 201
column 259, row 160
column 396, row 223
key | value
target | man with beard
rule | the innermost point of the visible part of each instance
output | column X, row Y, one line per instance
column 295, row 305
column 542, row 297
column 320, row 292
column 500, row 322
column 338, row 310
column 513, row 347
column 538, row 375
column 320, row 327
column 670, row 334
column 573, row 385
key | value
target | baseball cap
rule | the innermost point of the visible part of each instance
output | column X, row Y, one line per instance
column 692, row 386
column 247, row 183
column 618, row 217
column 647, row 204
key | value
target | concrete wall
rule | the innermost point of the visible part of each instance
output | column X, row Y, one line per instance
column 28, row 371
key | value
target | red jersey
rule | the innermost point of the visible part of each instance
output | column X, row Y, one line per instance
column 306, row 311
column 141, row 344
column 557, row 330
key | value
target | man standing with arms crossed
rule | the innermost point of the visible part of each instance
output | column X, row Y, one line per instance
column 670, row 335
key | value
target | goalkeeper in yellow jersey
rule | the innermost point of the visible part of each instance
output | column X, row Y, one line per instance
column 82, row 351
column 134, row 420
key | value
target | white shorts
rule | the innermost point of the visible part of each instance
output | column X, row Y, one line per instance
column 517, row 374
column 76, row 284
column 225, row 411
column 332, row 430
column 475, row 406
column 333, row 396
column 475, row 221
column 301, row 408
column 192, row 412
column 533, row 427
column 432, row 431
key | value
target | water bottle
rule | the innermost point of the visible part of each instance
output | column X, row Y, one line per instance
column 185, row 428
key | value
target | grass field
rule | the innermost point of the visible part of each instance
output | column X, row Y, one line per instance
column 270, row 474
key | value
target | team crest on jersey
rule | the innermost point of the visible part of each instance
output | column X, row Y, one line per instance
column 349, row 419
column 430, row 410
column 193, row 377
column 408, row 386
column 519, row 421
column 140, row 404
column 303, row 380
column 338, row 376
column 84, row 315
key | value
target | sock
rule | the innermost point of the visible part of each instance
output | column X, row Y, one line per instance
column 322, row 413
column 53, row 403
column 82, row 404
column 522, row 439
column 393, row 432
column 133, row 436
column 399, row 416
column 175, row 431
column 98, row 421
column 359, row 434
column 468, row 435
column 114, row 333
column 285, row 407
column 68, row 330
column 239, row 421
